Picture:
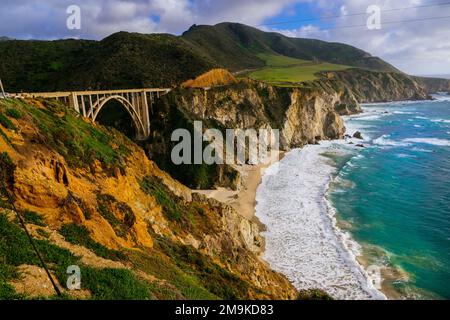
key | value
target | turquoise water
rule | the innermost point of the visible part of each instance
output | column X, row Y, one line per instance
column 394, row 195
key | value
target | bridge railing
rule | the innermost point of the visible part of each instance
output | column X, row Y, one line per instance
column 66, row 94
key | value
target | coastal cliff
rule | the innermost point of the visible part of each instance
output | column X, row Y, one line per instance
column 435, row 85
column 305, row 114
column 90, row 197
column 302, row 115
column 372, row 86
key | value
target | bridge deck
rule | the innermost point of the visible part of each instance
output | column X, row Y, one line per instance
column 64, row 94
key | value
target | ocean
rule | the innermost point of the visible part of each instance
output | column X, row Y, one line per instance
column 336, row 210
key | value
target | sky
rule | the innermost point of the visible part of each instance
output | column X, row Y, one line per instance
column 414, row 35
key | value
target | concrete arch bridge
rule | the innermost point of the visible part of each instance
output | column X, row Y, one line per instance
column 137, row 102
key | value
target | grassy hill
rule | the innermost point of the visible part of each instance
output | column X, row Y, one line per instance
column 125, row 60
column 237, row 46
column 122, row 60
column 282, row 70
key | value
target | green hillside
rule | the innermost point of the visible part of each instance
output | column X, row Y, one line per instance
column 122, row 60
column 126, row 60
column 238, row 46
column 282, row 70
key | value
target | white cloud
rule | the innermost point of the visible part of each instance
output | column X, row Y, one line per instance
column 46, row 18
column 421, row 47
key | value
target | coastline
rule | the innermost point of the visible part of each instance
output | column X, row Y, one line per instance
column 295, row 211
column 245, row 201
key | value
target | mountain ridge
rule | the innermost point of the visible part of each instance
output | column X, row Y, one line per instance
column 124, row 60
column 252, row 40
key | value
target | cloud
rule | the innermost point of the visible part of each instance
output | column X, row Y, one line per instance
column 46, row 19
column 417, row 47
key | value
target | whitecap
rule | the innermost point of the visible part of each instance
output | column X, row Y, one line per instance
column 421, row 150
column 403, row 112
column 432, row 141
column 440, row 121
column 404, row 155
column 441, row 97
column 385, row 141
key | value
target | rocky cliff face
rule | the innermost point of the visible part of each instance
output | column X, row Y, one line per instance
column 435, row 85
column 90, row 197
column 370, row 86
column 304, row 114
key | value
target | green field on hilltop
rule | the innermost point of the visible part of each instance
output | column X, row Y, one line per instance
column 282, row 69
column 274, row 60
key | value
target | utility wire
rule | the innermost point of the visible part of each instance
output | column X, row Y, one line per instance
column 30, row 238
column 353, row 14
column 388, row 22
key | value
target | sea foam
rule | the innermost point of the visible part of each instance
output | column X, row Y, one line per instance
column 432, row 141
column 302, row 240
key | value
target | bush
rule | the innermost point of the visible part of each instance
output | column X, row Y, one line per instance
column 107, row 204
column 114, row 284
column 214, row 278
column 80, row 235
column 313, row 294
column 13, row 113
column 164, row 197
column 33, row 218
column 4, row 121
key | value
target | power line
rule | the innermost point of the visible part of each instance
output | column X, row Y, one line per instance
column 388, row 22
column 353, row 14
column 4, row 191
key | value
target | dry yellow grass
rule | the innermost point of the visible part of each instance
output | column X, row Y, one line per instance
column 214, row 77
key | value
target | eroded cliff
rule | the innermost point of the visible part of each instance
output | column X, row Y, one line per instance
column 302, row 116
column 304, row 113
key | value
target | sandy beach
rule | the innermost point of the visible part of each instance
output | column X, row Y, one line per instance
column 316, row 172
column 244, row 200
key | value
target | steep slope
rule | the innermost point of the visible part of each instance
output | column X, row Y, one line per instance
column 368, row 87
column 212, row 78
column 236, row 46
column 434, row 85
column 39, row 65
column 303, row 114
column 90, row 197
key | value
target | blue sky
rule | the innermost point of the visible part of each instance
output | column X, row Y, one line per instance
column 416, row 48
column 301, row 11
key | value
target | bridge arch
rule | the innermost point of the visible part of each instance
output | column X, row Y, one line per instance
column 137, row 103
column 98, row 106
